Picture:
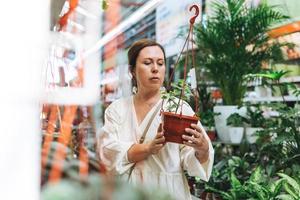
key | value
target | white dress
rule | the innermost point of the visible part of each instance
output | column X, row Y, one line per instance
column 165, row 169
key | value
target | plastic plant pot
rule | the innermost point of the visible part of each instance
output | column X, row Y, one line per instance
column 174, row 126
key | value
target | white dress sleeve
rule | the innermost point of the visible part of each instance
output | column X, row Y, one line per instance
column 189, row 160
column 113, row 150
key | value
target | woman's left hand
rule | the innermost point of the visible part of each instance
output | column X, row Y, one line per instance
column 196, row 139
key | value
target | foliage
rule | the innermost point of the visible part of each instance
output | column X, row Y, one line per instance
column 172, row 96
column 254, row 116
column 96, row 186
column 291, row 186
column 207, row 119
column 269, row 74
column 233, row 42
column 235, row 120
column 104, row 4
column 258, row 186
column 100, row 187
column 275, row 77
column 283, row 146
column 221, row 174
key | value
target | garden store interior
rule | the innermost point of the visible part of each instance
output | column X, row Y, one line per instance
column 65, row 63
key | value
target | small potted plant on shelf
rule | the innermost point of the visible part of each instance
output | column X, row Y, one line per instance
column 255, row 120
column 236, row 129
column 208, row 122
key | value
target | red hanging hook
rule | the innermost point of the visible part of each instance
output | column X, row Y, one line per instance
column 197, row 11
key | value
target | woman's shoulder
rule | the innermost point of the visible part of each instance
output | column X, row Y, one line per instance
column 120, row 105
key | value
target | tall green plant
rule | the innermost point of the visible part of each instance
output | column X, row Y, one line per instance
column 233, row 42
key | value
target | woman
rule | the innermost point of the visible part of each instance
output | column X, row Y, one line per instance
column 155, row 162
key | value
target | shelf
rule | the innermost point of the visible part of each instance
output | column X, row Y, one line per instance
column 269, row 99
column 292, row 79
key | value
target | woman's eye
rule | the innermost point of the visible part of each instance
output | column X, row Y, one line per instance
column 160, row 64
column 147, row 63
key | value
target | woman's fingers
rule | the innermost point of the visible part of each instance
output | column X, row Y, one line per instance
column 160, row 139
column 190, row 139
column 193, row 132
column 195, row 126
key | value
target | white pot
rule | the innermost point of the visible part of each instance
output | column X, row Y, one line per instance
column 262, row 91
column 250, row 134
column 220, row 120
column 236, row 134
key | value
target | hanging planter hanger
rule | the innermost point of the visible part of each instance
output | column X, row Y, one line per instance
column 174, row 124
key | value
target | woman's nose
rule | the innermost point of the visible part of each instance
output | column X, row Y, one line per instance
column 154, row 68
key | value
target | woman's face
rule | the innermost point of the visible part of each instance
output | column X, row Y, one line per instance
column 150, row 68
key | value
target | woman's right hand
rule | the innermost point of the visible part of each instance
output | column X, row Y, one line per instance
column 139, row 152
column 157, row 143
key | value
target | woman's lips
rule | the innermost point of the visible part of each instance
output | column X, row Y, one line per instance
column 154, row 78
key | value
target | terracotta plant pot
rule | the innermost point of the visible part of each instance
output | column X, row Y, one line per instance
column 174, row 126
column 212, row 135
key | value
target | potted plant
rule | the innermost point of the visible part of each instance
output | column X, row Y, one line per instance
column 205, row 111
column 175, row 122
column 233, row 42
column 255, row 120
column 236, row 130
column 208, row 122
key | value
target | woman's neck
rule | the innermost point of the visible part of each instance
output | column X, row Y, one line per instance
column 150, row 98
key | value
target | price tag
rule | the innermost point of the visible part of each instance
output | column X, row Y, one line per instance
column 192, row 73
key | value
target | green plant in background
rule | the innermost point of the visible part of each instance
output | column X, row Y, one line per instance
column 254, row 116
column 95, row 186
column 235, row 120
column 100, row 187
column 207, row 119
column 283, row 148
column 206, row 105
column 275, row 77
column 258, row 186
column 104, row 4
column 233, row 42
column 291, row 186
column 221, row 174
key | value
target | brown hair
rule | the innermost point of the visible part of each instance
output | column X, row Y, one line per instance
column 135, row 50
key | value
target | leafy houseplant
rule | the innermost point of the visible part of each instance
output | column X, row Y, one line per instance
column 236, row 129
column 256, row 120
column 275, row 77
column 258, row 186
column 235, row 120
column 173, row 123
column 284, row 148
column 291, row 186
column 233, row 42
column 208, row 122
column 254, row 116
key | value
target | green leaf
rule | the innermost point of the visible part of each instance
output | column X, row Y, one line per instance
column 285, row 197
column 256, row 176
column 292, row 182
column 235, row 183
column 275, row 187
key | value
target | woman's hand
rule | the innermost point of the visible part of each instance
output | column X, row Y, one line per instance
column 139, row 152
column 157, row 143
column 195, row 139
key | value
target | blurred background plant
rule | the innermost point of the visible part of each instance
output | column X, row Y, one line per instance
column 96, row 185
column 233, row 42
